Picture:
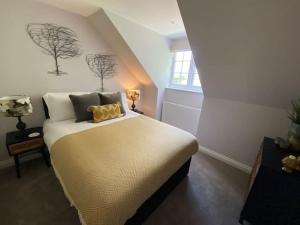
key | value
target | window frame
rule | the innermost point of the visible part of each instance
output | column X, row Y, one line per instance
column 189, row 86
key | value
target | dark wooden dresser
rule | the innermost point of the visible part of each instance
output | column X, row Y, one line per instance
column 274, row 196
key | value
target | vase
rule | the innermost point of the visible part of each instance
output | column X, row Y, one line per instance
column 294, row 136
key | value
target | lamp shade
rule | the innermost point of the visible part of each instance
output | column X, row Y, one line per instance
column 15, row 105
column 133, row 95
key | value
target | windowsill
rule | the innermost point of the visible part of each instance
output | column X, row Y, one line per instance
column 186, row 90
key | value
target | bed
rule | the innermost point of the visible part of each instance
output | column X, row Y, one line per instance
column 117, row 171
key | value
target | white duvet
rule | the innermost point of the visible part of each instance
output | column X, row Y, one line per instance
column 54, row 130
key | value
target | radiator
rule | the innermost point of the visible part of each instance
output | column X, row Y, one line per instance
column 181, row 116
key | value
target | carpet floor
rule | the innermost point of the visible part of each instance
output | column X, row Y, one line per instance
column 212, row 194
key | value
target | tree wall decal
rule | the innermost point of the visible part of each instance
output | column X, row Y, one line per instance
column 57, row 41
column 103, row 66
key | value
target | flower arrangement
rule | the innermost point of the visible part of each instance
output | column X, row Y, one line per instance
column 294, row 131
column 294, row 115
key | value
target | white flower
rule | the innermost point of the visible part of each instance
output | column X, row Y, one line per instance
column 23, row 101
column 4, row 106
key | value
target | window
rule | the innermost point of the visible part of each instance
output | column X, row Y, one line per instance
column 184, row 73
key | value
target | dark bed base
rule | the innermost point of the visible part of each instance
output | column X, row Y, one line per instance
column 157, row 198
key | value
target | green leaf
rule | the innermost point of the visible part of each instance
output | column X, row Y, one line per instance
column 294, row 115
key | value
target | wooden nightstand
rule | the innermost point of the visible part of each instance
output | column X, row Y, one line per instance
column 17, row 145
column 138, row 111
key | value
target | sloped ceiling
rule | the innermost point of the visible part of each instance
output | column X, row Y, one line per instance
column 145, row 53
column 246, row 50
column 160, row 16
column 150, row 48
column 111, row 35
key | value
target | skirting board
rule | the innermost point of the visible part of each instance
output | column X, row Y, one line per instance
column 10, row 162
column 243, row 167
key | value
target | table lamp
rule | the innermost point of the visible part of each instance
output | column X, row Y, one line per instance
column 133, row 95
column 16, row 106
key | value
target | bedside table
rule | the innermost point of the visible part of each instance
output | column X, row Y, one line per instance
column 137, row 111
column 17, row 145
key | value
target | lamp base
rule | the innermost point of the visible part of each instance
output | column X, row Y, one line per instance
column 21, row 126
column 133, row 105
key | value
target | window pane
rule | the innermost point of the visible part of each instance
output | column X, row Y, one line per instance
column 178, row 67
column 180, row 79
column 184, row 79
column 186, row 67
column 176, row 78
column 196, row 80
column 176, row 75
column 179, row 56
column 188, row 55
column 184, row 71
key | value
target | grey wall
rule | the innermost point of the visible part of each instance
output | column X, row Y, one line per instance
column 248, row 55
column 24, row 68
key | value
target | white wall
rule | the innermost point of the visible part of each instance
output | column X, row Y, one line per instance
column 246, row 50
column 102, row 23
column 188, row 98
column 181, row 44
column 248, row 55
column 236, row 129
column 182, row 109
column 150, row 48
column 24, row 67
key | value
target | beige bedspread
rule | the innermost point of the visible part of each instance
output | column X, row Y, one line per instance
column 109, row 171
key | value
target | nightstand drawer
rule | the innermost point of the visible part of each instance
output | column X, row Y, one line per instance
column 26, row 145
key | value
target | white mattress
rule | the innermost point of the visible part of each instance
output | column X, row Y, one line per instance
column 56, row 130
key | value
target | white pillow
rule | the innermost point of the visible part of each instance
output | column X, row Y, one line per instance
column 125, row 102
column 60, row 106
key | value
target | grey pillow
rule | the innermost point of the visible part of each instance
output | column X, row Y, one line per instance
column 81, row 103
column 112, row 98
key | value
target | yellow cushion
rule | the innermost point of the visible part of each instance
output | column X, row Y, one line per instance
column 105, row 112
